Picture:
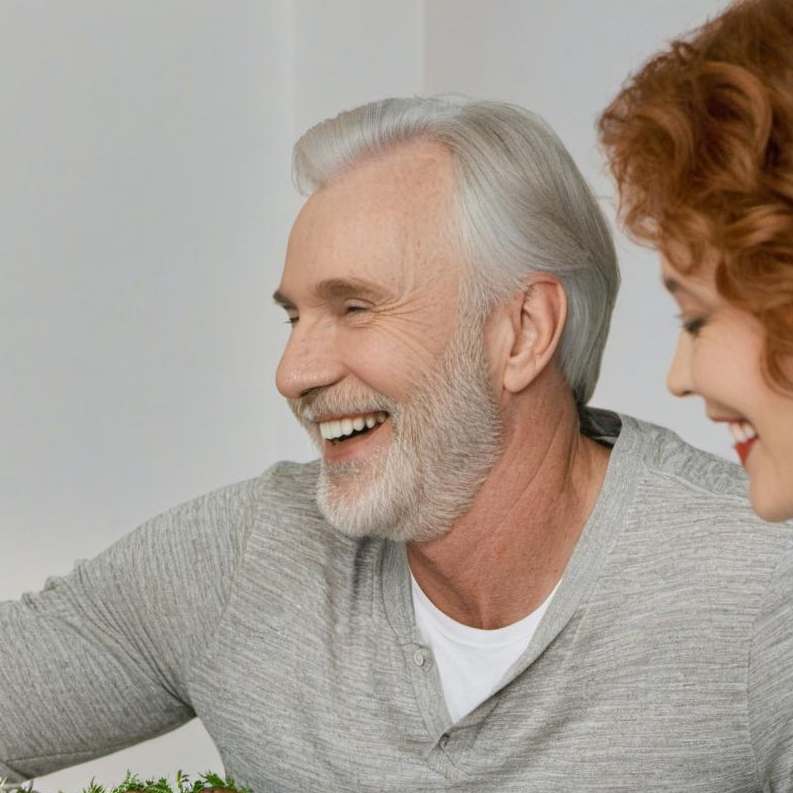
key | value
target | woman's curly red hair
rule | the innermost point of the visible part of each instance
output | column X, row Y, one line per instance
column 700, row 142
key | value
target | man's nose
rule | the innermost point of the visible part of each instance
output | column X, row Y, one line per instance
column 678, row 378
column 310, row 361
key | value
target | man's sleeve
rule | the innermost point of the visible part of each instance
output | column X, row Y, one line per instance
column 771, row 683
column 100, row 658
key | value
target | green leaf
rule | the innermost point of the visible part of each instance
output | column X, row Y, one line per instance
column 132, row 783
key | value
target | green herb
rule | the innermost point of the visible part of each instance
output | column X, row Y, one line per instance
column 134, row 784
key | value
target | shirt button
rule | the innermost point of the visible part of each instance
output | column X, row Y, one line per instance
column 444, row 741
column 419, row 657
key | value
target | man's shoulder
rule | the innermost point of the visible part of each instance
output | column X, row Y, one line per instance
column 686, row 535
column 702, row 493
column 281, row 496
column 663, row 455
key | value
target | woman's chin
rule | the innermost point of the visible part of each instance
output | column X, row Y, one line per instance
column 773, row 504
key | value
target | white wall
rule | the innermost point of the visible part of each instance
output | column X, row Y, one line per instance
column 351, row 52
column 144, row 206
column 143, row 150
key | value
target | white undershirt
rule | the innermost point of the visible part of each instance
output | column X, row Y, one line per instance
column 471, row 662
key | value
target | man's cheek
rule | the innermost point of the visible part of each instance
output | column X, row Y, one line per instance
column 384, row 371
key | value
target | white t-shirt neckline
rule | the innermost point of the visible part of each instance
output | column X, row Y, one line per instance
column 471, row 662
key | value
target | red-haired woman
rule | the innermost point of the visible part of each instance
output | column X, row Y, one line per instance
column 701, row 144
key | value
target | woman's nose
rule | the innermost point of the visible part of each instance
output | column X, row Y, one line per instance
column 678, row 378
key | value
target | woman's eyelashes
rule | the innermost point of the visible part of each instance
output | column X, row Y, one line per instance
column 692, row 325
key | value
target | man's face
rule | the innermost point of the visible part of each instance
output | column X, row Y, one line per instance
column 393, row 389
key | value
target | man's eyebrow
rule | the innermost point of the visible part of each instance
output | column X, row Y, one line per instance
column 282, row 300
column 338, row 289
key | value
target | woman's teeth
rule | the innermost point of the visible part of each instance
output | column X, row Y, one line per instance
column 742, row 431
column 341, row 428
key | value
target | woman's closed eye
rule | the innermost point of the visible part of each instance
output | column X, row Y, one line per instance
column 692, row 325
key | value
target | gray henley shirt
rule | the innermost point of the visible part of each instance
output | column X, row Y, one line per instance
column 664, row 662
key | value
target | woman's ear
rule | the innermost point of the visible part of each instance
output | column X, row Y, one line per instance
column 538, row 316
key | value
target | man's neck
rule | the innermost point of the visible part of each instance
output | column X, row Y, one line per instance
column 502, row 559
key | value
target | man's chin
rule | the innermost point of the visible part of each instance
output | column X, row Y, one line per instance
column 345, row 505
column 388, row 519
column 358, row 503
column 348, row 481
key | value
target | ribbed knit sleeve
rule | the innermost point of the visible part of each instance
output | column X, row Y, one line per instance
column 100, row 658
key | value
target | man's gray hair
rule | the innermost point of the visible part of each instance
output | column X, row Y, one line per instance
column 522, row 206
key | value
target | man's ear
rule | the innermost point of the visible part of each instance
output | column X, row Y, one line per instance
column 538, row 315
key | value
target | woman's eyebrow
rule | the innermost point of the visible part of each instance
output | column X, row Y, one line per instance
column 687, row 292
column 674, row 287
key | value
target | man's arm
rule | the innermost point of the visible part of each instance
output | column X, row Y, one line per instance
column 100, row 659
column 771, row 682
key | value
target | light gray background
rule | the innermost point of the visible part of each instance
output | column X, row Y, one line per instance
column 145, row 202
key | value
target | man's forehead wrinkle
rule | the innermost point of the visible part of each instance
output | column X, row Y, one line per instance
column 367, row 239
column 406, row 180
column 384, row 221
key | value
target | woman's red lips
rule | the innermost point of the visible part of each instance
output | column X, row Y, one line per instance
column 743, row 448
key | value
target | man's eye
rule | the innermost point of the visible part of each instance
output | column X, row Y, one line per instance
column 354, row 309
column 291, row 320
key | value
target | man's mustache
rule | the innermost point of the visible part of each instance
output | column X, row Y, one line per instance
column 339, row 402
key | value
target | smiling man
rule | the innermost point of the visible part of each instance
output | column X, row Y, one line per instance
column 482, row 584
column 370, row 286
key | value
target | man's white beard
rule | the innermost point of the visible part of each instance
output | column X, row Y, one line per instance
column 445, row 441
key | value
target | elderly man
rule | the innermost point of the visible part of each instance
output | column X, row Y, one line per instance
column 482, row 584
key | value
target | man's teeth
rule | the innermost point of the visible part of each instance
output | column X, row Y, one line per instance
column 742, row 431
column 340, row 428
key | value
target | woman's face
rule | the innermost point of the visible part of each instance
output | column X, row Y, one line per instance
column 719, row 358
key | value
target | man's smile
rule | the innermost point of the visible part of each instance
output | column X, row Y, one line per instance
column 337, row 430
column 351, row 436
